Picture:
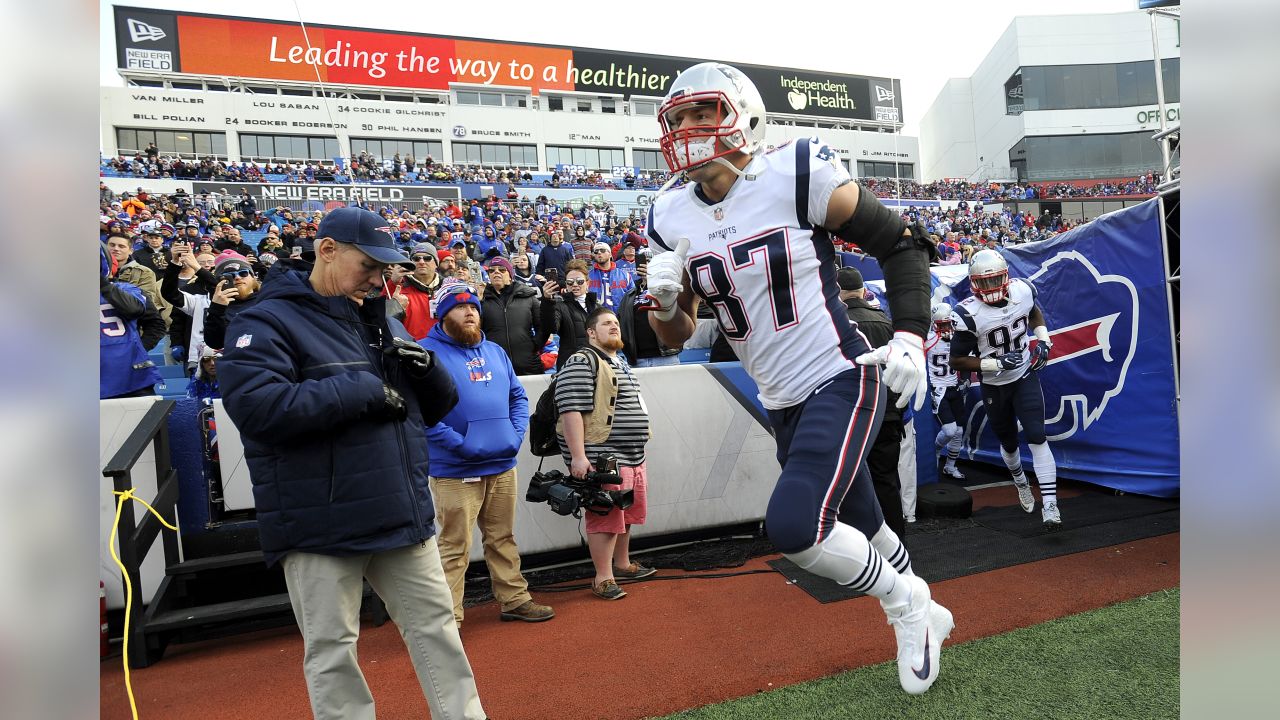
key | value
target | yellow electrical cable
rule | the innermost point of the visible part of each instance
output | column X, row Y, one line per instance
column 128, row 585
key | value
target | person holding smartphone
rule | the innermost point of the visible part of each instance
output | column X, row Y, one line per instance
column 237, row 289
column 639, row 341
column 565, row 310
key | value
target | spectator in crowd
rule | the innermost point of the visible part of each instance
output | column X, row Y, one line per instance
column 123, row 366
column 555, row 255
column 418, row 288
column 582, row 244
column 608, row 281
column 473, row 456
column 191, row 299
column 602, row 413
column 237, row 291
column 626, row 258
column 129, row 270
column 882, row 458
column 458, row 248
column 321, row 382
column 511, row 317
column 152, row 250
column 639, row 342
column 522, row 271
column 204, row 383
column 565, row 313
column 232, row 241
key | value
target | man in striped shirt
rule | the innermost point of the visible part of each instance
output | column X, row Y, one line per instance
column 590, row 426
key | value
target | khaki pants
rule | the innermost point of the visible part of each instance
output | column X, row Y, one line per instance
column 492, row 503
column 325, row 591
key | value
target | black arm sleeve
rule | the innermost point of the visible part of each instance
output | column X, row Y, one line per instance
column 550, row 320
column 964, row 344
column 437, row 394
column 215, row 326
column 169, row 289
column 903, row 258
column 126, row 305
column 151, row 327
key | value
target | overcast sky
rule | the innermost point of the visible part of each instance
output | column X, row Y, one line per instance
column 922, row 42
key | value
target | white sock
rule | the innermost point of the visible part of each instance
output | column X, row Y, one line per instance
column 940, row 440
column 1013, row 461
column 848, row 558
column 954, row 444
column 889, row 545
column 1046, row 471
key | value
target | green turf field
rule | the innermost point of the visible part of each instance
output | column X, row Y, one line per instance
column 1116, row 662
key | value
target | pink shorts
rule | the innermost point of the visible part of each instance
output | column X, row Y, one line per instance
column 635, row 479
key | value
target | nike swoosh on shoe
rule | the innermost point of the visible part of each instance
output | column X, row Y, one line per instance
column 923, row 673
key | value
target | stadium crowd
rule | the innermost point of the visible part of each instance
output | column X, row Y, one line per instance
column 362, row 168
column 994, row 192
column 199, row 258
column 367, row 168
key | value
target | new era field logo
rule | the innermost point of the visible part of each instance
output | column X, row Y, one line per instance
column 883, row 94
column 139, row 31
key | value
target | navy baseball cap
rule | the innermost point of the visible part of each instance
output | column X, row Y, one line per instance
column 366, row 230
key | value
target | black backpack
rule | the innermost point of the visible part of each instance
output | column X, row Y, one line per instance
column 542, row 423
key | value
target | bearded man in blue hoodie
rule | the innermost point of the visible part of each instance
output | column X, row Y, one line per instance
column 473, row 453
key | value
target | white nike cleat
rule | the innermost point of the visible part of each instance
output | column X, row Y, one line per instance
column 1051, row 517
column 952, row 471
column 920, row 627
column 1025, row 497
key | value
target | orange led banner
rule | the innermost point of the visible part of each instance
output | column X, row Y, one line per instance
column 166, row 41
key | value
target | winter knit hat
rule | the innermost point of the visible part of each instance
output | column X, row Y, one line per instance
column 501, row 262
column 452, row 295
column 230, row 261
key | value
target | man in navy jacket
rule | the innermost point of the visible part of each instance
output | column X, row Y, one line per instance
column 331, row 399
column 473, row 455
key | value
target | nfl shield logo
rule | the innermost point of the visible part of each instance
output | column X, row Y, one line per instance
column 719, row 214
column 244, row 340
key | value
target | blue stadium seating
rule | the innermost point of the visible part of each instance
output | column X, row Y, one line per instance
column 172, row 372
column 695, row 355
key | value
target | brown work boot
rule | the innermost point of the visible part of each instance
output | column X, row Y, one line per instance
column 530, row 611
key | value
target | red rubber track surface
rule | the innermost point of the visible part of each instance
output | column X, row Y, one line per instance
column 673, row 644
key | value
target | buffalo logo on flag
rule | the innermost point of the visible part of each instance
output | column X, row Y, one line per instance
column 1093, row 321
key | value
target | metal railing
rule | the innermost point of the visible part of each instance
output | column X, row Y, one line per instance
column 136, row 538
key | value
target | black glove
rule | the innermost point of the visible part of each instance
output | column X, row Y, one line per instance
column 391, row 407
column 1010, row 361
column 415, row 358
column 1040, row 355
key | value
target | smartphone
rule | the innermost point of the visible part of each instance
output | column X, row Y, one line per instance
column 553, row 274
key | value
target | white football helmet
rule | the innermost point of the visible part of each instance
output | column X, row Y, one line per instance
column 942, row 324
column 989, row 276
column 739, row 125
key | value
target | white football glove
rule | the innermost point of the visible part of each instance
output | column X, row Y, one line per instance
column 665, row 281
column 904, row 368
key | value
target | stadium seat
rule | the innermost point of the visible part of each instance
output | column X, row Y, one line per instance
column 172, row 372
column 171, row 388
column 695, row 355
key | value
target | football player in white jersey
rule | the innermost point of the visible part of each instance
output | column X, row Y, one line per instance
column 991, row 337
column 750, row 235
column 946, row 389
